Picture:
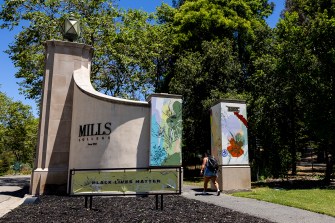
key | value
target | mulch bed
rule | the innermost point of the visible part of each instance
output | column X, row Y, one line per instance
column 124, row 209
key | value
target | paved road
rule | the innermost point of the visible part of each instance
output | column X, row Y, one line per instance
column 13, row 190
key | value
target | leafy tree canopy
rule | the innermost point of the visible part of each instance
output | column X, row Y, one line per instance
column 204, row 20
column 128, row 47
column 215, row 43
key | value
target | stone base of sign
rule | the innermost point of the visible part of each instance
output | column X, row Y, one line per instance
column 47, row 181
column 234, row 178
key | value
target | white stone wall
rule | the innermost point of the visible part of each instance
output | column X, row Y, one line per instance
column 107, row 133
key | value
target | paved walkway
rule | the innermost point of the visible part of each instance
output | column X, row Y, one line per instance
column 261, row 209
column 13, row 190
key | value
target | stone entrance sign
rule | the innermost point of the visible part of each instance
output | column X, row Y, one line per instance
column 81, row 128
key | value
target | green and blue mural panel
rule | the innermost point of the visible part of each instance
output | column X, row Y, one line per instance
column 166, row 132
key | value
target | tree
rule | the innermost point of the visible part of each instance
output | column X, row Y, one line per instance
column 129, row 49
column 203, row 20
column 293, row 86
column 215, row 43
column 277, row 104
column 18, row 133
column 310, row 26
column 203, row 78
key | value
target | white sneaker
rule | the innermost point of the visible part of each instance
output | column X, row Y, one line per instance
column 218, row 193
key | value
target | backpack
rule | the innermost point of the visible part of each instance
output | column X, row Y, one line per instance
column 212, row 164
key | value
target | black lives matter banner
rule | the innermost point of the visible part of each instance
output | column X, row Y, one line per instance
column 125, row 181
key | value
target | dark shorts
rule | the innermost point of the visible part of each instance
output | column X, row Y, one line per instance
column 209, row 173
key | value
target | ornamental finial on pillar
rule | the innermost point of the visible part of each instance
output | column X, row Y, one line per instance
column 71, row 28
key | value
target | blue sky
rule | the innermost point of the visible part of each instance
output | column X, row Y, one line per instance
column 8, row 82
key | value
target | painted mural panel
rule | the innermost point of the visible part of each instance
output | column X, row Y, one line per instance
column 166, row 131
column 234, row 133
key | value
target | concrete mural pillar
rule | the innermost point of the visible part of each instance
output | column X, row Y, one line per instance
column 229, row 144
column 52, row 157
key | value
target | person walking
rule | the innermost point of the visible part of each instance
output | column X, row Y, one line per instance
column 209, row 175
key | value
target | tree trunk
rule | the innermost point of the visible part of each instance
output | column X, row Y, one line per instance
column 329, row 168
column 293, row 134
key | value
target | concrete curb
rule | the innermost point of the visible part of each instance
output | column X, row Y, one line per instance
column 6, row 205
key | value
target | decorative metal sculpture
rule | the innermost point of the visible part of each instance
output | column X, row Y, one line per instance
column 71, row 28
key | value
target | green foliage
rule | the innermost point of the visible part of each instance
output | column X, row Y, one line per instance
column 18, row 133
column 130, row 50
column 215, row 45
column 293, row 89
column 6, row 161
column 202, row 78
column 306, row 52
column 203, row 20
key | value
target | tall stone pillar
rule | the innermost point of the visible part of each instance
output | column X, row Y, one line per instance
column 52, row 156
column 229, row 144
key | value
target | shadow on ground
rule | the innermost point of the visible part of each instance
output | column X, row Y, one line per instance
column 292, row 184
column 10, row 181
column 18, row 193
column 22, row 182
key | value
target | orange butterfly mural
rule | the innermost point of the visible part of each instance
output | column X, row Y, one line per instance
column 236, row 144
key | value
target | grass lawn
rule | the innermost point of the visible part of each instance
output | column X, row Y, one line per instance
column 315, row 200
